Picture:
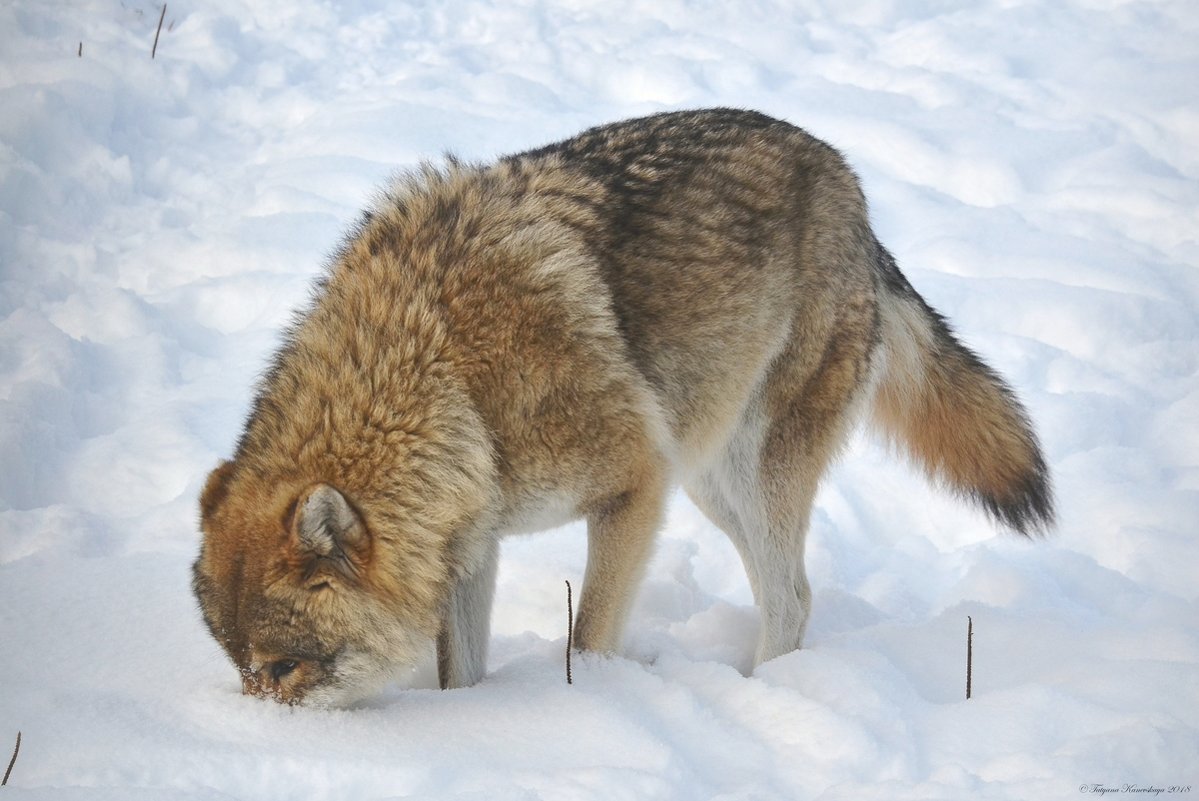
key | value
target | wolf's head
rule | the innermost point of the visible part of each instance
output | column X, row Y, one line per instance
column 293, row 582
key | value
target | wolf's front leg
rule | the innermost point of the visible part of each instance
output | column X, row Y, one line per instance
column 466, row 626
column 620, row 536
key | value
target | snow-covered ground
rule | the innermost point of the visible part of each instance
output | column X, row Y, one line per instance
column 1033, row 164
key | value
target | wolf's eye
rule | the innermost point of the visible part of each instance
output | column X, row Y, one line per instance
column 282, row 668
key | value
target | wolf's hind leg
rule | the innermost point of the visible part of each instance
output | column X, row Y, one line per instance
column 768, row 525
column 761, row 488
column 775, row 551
column 462, row 643
column 771, row 550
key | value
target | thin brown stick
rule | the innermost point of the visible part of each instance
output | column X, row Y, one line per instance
column 161, row 17
column 12, row 761
column 570, row 632
column 969, row 655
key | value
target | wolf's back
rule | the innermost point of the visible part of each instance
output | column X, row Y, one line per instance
column 684, row 207
column 953, row 414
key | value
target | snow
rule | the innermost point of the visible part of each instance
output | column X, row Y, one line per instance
column 1031, row 163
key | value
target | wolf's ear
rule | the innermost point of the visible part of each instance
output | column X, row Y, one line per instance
column 215, row 489
column 327, row 534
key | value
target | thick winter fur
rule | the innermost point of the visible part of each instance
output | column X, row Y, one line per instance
column 691, row 298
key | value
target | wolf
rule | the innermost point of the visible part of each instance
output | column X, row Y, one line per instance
column 689, row 299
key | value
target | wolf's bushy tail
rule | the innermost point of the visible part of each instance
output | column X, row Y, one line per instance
column 939, row 403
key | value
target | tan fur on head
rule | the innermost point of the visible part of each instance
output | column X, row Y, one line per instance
column 298, row 604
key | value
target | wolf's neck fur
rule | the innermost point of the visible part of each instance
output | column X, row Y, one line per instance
column 375, row 403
